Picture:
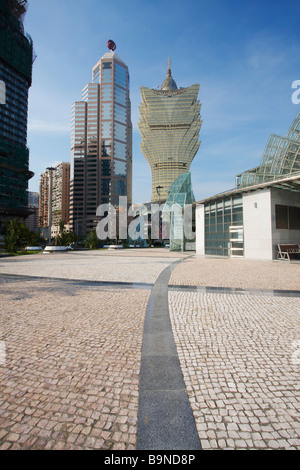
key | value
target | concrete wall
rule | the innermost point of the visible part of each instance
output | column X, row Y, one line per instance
column 200, row 230
column 285, row 198
column 258, row 225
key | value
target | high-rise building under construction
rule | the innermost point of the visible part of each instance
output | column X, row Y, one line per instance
column 16, row 58
column 169, row 125
column 101, row 143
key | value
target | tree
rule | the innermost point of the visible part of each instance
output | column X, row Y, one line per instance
column 18, row 236
column 63, row 238
column 12, row 238
column 91, row 240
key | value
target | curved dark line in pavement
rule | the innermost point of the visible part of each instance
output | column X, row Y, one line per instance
column 78, row 282
column 235, row 290
column 165, row 419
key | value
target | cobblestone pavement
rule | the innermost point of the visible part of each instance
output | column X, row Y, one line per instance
column 240, row 354
column 237, row 273
column 70, row 379
column 139, row 265
column 236, row 354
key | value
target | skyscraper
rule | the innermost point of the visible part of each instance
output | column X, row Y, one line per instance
column 16, row 57
column 169, row 125
column 101, row 143
column 54, row 196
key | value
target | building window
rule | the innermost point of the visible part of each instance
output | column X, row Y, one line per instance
column 287, row 217
column 219, row 217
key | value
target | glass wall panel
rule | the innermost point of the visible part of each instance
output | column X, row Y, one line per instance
column 120, row 76
column 120, row 114
column 106, row 110
column 120, row 150
column 106, row 92
column 218, row 218
column 120, row 187
column 106, row 148
column 120, row 168
column 120, row 132
column 106, row 76
column 106, row 167
column 121, row 96
column 106, row 129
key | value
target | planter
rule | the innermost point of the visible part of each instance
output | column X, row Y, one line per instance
column 55, row 249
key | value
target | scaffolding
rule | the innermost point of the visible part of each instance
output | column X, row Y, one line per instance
column 16, row 58
column 16, row 48
column 18, row 8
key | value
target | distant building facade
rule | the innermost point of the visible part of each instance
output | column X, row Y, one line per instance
column 54, row 196
column 16, row 58
column 169, row 124
column 44, row 199
column 101, row 143
column 32, row 221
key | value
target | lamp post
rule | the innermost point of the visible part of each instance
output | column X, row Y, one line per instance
column 158, row 188
column 50, row 203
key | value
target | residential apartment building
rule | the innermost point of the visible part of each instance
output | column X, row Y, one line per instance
column 54, row 196
column 61, row 194
column 101, row 143
column 16, row 58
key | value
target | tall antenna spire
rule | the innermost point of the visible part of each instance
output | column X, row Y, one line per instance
column 169, row 67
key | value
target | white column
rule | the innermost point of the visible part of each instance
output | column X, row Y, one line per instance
column 200, row 230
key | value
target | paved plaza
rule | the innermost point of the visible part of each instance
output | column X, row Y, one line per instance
column 142, row 348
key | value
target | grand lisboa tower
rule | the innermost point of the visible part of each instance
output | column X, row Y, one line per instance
column 169, row 124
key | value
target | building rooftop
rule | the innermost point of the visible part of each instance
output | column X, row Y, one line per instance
column 169, row 83
column 112, row 55
column 290, row 183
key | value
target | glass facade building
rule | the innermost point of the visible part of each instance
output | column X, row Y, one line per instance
column 281, row 158
column 16, row 58
column 101, row 143
column 169, row 125
column 180, row 195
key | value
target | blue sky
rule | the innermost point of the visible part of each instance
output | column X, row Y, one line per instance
column 244, row 55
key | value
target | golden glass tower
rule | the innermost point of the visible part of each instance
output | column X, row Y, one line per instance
column 169, row 124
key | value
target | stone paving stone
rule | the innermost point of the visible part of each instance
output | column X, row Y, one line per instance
column 135, row 265
column 71, row 376
column 236, row 356
column 237, row 273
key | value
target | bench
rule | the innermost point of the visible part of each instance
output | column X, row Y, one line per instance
column 285, row 250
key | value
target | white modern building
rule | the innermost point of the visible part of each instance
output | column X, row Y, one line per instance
column 261, row 212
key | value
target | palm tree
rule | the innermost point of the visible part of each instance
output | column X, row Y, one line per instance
column 13, row 235
column 63, row 238
column 92, row 240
